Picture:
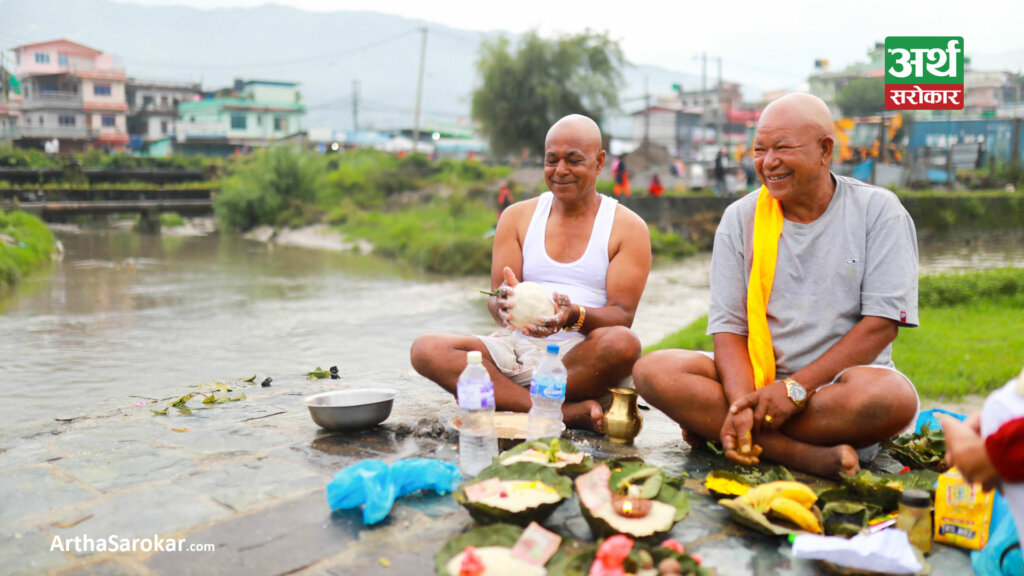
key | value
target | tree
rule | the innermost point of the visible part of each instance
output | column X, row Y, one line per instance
column 523, row 93
column 862, row 97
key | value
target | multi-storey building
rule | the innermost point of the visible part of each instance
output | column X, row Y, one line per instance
column 72, row 93
column 153, row 109
column 253, row 114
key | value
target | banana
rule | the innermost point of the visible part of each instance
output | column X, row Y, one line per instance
column 796, row 513
column 760, row 497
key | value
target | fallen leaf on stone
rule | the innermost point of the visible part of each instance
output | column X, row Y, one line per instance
column 384, row 562
column 179, row 429
column 72, row 523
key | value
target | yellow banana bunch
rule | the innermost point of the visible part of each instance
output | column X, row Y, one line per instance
column 795, row 512
column 760, row 497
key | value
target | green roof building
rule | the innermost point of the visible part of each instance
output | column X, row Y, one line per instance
column 254, row 113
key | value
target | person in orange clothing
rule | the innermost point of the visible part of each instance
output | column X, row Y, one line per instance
column 621, row 177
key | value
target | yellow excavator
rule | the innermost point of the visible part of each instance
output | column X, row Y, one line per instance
column 859, row 139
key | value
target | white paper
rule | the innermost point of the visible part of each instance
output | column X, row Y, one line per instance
column 888, row 551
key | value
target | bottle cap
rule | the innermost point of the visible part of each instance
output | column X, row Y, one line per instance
column 553, row 348
column 474, row 356
column 916, row 498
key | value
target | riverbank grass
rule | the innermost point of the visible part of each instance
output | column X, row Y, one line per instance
column 25, row 244
column 969, row 340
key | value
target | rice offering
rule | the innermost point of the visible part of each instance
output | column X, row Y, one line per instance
column 497, row 561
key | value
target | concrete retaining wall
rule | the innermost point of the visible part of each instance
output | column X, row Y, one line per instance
column 934, row 215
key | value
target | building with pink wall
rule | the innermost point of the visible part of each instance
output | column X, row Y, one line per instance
column 73, row 93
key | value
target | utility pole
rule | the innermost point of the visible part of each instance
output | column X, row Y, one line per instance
column 355, row 105
column 721, row 107
column 647, row 112
column 703, row 95
column 419, row 91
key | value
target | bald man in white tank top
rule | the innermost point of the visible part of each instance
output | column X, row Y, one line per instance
column 591, row 254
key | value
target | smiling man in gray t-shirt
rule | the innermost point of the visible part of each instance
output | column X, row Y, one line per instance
column 845, row 281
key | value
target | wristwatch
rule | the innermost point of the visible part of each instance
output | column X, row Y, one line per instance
column 795, row 391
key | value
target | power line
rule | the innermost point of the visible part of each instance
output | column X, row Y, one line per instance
column 280, row 63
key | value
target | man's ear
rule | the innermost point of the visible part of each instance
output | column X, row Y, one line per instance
column 827, row 144
column 600, row 161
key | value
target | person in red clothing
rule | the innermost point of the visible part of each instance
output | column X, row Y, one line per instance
column 655, row 189
column 988, row 448
column 505, row 198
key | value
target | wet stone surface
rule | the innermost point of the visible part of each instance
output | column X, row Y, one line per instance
column 249, row 479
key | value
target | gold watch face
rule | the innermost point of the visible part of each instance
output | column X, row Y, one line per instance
column 796, row 392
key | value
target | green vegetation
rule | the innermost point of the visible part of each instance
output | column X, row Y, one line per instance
column 431, row 214
column 276, row 186
column 862, row 97
column 970, row 287
column 968, row 342
column 445, row 235
column 669, row 244
column 523, row 92
column 171, row 220
column 19, row 158
column 25, row 243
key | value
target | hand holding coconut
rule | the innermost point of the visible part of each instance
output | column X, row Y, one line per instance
column 526, row 307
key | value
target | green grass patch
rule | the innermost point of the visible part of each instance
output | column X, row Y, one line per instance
column 171, row 220
column 970, row 348
column 969, row 341
column 967, row 287
column 25, row 243
column 692, row 337
column 447, row 236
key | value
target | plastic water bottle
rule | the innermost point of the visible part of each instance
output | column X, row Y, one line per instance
column 547, row 392
column 478, row 439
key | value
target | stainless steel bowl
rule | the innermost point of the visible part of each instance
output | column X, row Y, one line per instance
column 351, row 409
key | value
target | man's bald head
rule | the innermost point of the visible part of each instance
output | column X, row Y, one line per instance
column 579, row 126
column 800, row 108
column 573, row 158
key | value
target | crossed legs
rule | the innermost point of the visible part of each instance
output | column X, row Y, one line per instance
column 866, row 405
column 605, row 357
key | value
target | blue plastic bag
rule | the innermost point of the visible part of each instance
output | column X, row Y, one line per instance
column 928, row 417
column 375, row 485
column 1000, row 556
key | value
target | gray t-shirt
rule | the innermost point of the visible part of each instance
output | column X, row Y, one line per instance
column 858, row 259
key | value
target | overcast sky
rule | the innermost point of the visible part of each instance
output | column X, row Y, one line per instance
column 769, row 44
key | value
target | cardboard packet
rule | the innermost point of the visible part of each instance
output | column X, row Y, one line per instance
column 963, row 511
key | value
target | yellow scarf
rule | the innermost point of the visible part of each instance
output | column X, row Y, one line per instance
column 767, row 229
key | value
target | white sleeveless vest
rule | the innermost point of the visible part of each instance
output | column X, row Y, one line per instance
column 583, row 281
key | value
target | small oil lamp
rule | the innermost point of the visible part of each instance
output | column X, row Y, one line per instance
column 631, row 506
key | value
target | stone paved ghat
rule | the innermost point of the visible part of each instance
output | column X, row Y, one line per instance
column 249, row 478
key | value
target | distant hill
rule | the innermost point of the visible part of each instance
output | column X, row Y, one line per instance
column 324, row 52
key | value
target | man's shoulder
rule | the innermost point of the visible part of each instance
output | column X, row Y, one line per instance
column 627, row 221
column 742, row 208
column 526, row 206
column 864, row 191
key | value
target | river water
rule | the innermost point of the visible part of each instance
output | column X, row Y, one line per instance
column 125, row 318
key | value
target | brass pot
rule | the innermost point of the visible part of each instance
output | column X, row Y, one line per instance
column 622, row 422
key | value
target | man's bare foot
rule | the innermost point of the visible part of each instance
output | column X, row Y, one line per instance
column 849, row 462
column 693, row 439
column 825, row 461
column 584, row 415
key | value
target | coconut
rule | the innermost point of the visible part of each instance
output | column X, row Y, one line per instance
column 529, row 302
